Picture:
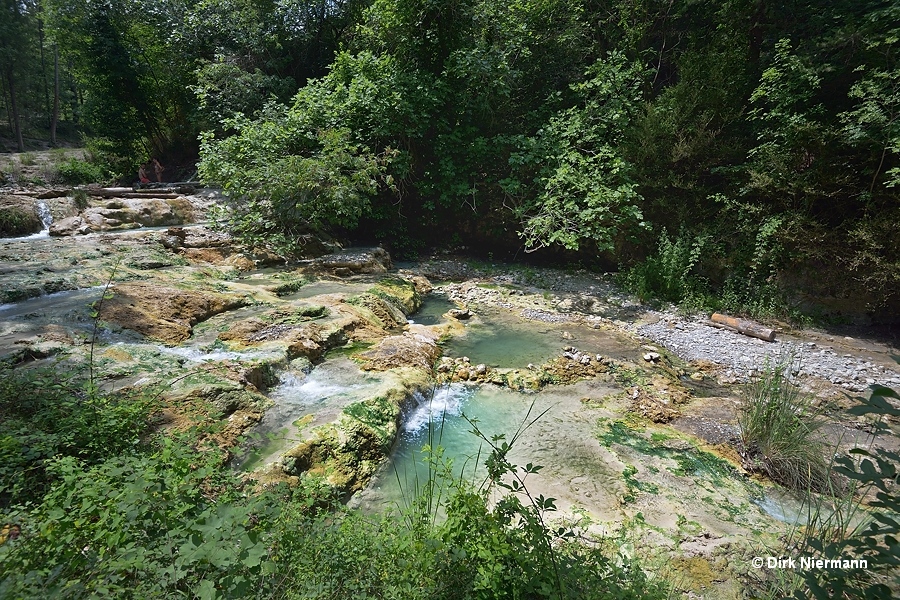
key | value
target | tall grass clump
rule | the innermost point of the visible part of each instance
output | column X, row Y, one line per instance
column 780, row 433
column 855, row 528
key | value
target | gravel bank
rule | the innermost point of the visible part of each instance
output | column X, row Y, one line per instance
column 741, row 357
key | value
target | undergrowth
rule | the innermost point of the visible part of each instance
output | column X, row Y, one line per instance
column 679, row 272
column 857, row 521
column 96, row 506
column 50, row 413
column 779, row 433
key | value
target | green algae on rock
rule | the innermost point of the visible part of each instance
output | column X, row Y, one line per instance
column 347, row 452
column 18, row 217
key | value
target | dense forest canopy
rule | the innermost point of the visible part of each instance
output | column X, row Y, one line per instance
column 744, row 146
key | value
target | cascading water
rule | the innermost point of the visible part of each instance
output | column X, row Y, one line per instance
column 304, row 401
column 200, row 355
column 46, row 217
column 43, row 212
column 446, row 401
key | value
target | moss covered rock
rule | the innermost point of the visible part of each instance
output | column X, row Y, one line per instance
column 347, row 452
column 162, row 313
column 18, row 217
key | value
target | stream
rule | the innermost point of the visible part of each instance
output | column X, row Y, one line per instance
column 598, row 459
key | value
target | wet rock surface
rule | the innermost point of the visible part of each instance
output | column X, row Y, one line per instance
column 641, row 403
column 130, row 213
column 354, row 261
column 161, row 313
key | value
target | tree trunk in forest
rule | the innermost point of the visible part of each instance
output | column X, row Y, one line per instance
column 43, row 67
column 16, row 125
column 6, row 104
column 54, row 119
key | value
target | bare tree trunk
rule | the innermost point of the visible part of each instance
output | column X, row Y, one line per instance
column 6, row 104
column 54, row 119
column 43, row 67
column 16, row 125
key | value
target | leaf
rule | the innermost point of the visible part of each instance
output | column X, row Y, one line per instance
column 207, row 590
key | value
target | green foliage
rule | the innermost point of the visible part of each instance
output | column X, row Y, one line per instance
column 842, row 534
column 80, row 199
column 670, row 275
column 224, row 90
column 779, row 433
column 875, row 120
column 146, row 526
column 59, row 415
column 276, row 198
column 79, row 172
column 129, row 66
column 585, row 193
column 288, row 172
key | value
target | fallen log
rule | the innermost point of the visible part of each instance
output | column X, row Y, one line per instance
column 743, row 326
column 130, row 193
column 108, row 192
column 41, row 195
column 160, row 195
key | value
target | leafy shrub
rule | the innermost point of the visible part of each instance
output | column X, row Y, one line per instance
column 58, row 415
column 78, row 172
column 157, row 525
column 779, row 433
column 277, row 198
column 832, row 534
column 670, row 275
column 585, row 193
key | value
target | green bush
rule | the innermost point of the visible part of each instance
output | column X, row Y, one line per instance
column 670, row 274
column 60, row 415
column 80, row 199
column 157, row 525
column 79, row 172
column 837, row 534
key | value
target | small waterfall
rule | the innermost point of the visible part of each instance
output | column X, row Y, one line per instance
column 446, row 401
column 307, row 390
column 200, row 355
column 44, row 214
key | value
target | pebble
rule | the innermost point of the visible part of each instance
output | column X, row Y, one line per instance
column 742, row 356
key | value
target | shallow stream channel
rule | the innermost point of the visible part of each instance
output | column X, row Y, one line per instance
column 298, row 371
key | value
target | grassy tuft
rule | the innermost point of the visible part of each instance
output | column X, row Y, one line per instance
column 779, row 433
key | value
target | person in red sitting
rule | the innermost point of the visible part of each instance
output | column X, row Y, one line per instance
column 142, row 174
